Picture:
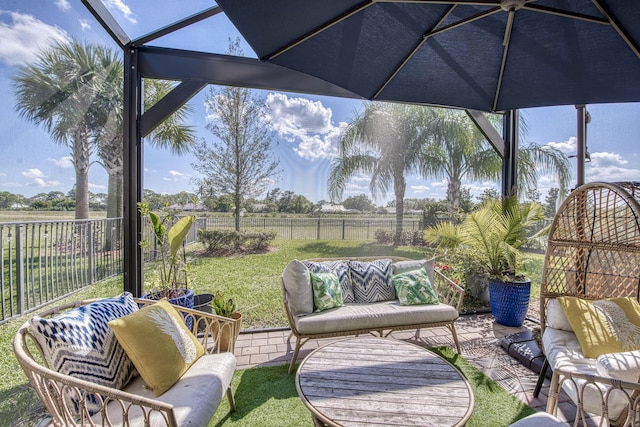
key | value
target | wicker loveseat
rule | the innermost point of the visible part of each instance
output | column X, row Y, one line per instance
column 74, row 400
column 593, row 255
column 353, row 318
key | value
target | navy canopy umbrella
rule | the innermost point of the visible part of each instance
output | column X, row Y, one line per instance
column 488, row 55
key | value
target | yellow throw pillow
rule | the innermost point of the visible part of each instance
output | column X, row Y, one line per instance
column 158, row 343
column 604, row 326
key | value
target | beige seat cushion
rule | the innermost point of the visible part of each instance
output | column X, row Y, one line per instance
column 377, row 315
column 195, row 396
column 297, row 285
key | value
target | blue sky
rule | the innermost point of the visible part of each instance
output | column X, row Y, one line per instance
column 306, row 127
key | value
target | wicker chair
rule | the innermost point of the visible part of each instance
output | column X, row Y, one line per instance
column 119, row 407
column 593, row 251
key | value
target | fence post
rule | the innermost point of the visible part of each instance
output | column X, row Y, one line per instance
column 90, row 261
column 20, row 269
column 343, row 229
column 318, row 229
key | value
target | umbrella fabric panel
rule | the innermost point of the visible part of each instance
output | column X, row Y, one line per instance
column 407, row 52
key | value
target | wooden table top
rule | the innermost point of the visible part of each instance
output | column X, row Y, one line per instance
column 369, row 381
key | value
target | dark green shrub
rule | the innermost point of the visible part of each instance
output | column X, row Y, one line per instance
column 383, row 237
column 230, row 240
column 259, row 242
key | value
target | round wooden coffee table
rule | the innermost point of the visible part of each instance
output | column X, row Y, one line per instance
column 382, row 382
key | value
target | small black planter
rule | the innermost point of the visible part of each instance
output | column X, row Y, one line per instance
column 509, row 301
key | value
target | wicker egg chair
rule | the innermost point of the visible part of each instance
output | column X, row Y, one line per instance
column 593, row 247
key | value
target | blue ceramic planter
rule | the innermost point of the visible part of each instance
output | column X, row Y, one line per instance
column 509, row 301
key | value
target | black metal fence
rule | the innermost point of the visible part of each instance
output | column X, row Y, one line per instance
column 45, row 260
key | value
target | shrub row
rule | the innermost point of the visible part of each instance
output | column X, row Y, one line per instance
column 227, row 240
column 408, row 238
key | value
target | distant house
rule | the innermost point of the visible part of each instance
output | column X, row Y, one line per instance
column 19, row 206
column 330, row 208
column 410, row 212
column 259, row 207
column 188, row 207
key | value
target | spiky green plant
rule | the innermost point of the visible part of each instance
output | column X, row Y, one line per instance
column 491, row 237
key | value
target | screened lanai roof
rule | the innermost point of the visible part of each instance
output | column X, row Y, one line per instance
column 482, row 55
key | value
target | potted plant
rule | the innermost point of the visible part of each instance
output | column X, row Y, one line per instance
column 227, row 307
column 172, row 275
column 491, row 238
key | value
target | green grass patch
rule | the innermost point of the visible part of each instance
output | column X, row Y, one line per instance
column 268, row 397
column 254, row 280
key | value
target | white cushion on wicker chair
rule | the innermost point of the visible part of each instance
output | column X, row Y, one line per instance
column 563, row 351
column 383, row 315
column 195, row 396
column 556, row 318
column 623, row 366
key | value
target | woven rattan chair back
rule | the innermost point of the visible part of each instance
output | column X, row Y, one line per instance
column 593, row 250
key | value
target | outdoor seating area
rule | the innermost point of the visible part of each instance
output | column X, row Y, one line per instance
column 371, row 333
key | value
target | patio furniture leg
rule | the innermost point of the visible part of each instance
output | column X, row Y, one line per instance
column 452, row 327
column 232, row 400
column 552, row 400
column 542, row 375
column 299, row 344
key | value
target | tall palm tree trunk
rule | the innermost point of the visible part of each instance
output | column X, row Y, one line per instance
column 81, row 163
column 453, row 195
column 400, row 186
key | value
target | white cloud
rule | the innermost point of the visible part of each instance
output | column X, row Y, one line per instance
column 419, row 189
column 175, row 173
column 609, row 167
column 12, row 184
column 97, row 187
column 121, row 7
column 567, row 147
column 85, row 25
column 65, row 162
column 3, row 174
column 24, row 36
column 63, row 4
column 307, row 123
column 33, row 173
column 39, row 182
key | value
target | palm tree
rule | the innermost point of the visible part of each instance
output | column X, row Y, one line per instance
column 171, row 134
column 76, row 91
column 385, row 142
column 457, row 150
column 57, row 91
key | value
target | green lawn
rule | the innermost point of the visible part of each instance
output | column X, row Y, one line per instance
column 253, row 280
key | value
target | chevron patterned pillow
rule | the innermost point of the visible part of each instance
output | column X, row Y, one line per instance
column 341, row 269
column 80, row 343
column 372, row 280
